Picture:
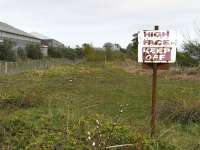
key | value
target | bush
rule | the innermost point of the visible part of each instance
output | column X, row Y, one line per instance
column 108, row 54
column 69, row 53
column 89, row 52
column 65, row 53
column 132, row 51
column 20, row 102
column 185, row 112
column 88, row 133
column 34, row 51
column 21, row 53
column 6, row 51
column 185, row 60
column 193, row 49
column 117, row 55
column 79, row 52
column 55, row 52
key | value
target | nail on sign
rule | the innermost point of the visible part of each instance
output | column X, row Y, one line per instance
column 156, row 46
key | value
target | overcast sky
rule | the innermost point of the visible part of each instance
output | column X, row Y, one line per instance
column 75, row 22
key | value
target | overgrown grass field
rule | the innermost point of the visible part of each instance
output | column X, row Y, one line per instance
column 59, row 108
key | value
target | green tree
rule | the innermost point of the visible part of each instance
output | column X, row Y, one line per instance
column 118, row 46
column 79, row 52
column 55, row 52
column 193, row 49
column 69, row 53
column 6, row 51
column 132, row 48
column 135, row 41
column 89, row 52
column 21, row 53
column 33, row 51
column 185, row 60
column 131, row 51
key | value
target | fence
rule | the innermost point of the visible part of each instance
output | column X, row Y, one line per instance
column 8, row 68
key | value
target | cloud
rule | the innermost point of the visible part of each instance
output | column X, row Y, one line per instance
column 98, row 21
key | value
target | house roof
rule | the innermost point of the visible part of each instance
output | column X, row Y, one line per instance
column 44, row 37
column 40, row 36
column 10, row 29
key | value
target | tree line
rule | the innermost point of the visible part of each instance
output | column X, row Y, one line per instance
column 86, row 51
column 189, row 57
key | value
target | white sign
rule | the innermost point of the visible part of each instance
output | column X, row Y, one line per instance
column 156, row 46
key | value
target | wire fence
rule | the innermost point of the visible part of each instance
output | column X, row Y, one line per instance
column 9, row 68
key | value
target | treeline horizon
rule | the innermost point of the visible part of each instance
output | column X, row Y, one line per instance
column 189, row 57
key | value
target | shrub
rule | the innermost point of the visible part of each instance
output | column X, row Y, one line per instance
column 193, row 71
column 6, row 51
column 17, row 133
column 34, row 51
column 21, row 53
column 185, row 60
column 185, row 112
column 89, row 52
column 193, row 49
column 95, row 54
column 65, row 53
column 69, row 53
column 99, row 55
column 88, row 133
column 132, row 52
column 79, row 52
column 26, row 101
column 118, row 55
column 55, row 52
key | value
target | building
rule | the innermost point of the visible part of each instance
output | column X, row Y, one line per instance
column 52, row 43
column 48, row 41
column 19, row 38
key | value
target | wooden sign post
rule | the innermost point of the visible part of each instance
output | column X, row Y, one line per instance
column 156, row 49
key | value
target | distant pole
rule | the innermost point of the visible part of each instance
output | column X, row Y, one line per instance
column 154, row 97
column 6, row 67
column 105, row 62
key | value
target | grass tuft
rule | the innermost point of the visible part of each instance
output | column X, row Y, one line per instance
column 20, row 102
column 185, row 112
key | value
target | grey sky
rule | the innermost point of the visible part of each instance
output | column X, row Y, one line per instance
column 98, row 21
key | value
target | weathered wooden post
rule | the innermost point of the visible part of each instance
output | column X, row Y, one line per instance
column 154, row 96
column 156, row 49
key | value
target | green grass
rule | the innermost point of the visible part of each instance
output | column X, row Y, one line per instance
column 94, row 89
